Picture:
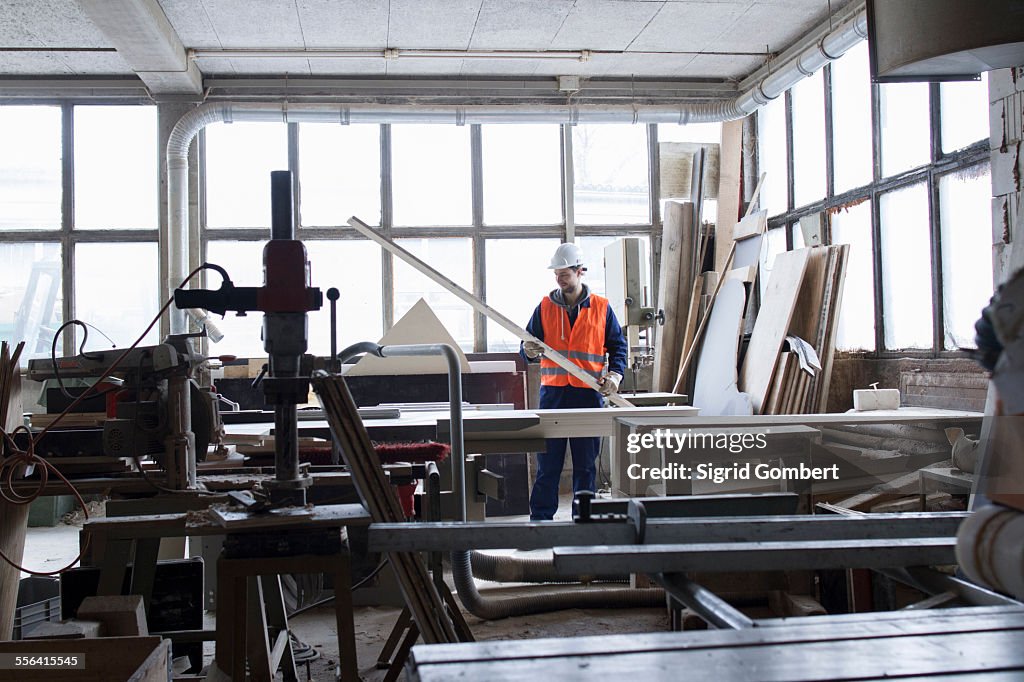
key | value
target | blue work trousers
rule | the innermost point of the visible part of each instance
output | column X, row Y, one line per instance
column 544, row 498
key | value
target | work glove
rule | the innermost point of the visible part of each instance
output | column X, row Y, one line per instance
column 533, row 349
column 610, row 383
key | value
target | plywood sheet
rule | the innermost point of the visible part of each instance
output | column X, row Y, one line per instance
column 772, row 325
column 715, row 386
column 419, row 325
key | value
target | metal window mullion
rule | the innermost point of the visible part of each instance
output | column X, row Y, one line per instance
column 876, row 251
column 935, row 246
column 478, row 248
column 387, row 268
column 654, row 175
column 935, row 236
column 293, row 166
column 876, row 228
column 830, row 164
column 790, row 166
column 67, row 221
column 204, row 229
column 568, row 184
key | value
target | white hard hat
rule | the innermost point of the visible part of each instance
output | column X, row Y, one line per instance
column 566, row 256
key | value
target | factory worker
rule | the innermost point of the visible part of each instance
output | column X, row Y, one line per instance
column 582, row 327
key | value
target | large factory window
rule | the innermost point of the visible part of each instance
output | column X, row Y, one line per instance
column 905, row 173
column 78, row 195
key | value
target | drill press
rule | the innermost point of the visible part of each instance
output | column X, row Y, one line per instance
column 285, row 299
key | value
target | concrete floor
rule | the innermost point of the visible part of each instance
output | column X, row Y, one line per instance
column 53, row 548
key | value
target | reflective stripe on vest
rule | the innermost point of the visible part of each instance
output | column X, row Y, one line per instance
column 583, row 343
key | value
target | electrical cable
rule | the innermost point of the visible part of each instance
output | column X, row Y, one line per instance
column 29, row 458
column 356, row 586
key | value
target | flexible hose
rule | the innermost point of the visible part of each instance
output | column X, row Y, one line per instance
column 578, row 598
column 511, row 569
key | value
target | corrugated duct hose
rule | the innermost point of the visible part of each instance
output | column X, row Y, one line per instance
column 564, row 598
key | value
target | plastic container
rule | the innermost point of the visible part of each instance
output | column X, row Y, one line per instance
column 38, row 602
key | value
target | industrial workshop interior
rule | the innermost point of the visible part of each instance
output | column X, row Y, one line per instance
column 440, row 340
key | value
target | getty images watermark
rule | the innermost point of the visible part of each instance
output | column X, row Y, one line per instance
column 697, row 442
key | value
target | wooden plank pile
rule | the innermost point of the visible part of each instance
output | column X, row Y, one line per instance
column 802, row 300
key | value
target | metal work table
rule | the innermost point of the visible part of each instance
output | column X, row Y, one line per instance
column 959, row 644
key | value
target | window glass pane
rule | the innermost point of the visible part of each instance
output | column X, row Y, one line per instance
column 454, row 259
column 809, row 139
column 517, row 279
column 906, row 268
column 30, row 307
column 244, row 263
column 30, row 168
column 906, row 133
column 857, row 309
column 522, row 168
column 610, row 174
column 239, row 159
column 964, row 200
column 120, row 312
column 691, row 132
column 115, row 167
column 964, row 113
column 339, row 174
column 430, row 169
column 354, row 268
column 771, row 155
column 774, row 244
column 851, row 119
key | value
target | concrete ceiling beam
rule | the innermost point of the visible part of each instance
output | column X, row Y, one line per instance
column 149, row 44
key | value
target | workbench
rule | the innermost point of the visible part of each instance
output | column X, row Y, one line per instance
column 134, row 539
column 979, row 643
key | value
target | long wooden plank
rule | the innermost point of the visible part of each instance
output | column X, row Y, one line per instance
column 772, row 325
column 821, row 385
column 729, row 199
column 676, row 279
column 481, row 307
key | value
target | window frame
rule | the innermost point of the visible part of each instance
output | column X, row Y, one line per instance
column 478, row 232
column 66, row 235
column 939, row 164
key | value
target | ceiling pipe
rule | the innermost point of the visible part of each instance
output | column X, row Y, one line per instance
column 792, row 70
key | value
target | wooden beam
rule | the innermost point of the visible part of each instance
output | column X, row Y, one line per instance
column 481, row 307
column 729, row 200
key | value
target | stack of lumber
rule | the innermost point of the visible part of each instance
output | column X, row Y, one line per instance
column 802, row 299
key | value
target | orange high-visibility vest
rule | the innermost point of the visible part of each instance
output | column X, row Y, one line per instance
column 583, row 343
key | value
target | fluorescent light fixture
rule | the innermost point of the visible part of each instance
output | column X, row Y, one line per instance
column 390, row 53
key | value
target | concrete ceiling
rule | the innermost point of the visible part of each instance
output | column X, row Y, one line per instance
column 724, row 40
